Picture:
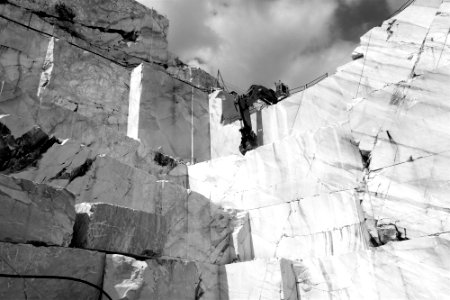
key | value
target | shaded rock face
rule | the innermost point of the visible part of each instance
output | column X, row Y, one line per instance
column 196, row 76
column 169, row 114
column 68, row 92
column 118, row 229
column 193, row 229
column 127, row 278
column 104, row 27
column 85, row 83
column 78, row 94
column 51, row 261
column 18, row 153
column 35, row 213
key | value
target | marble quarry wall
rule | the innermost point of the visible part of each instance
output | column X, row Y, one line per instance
column 75, row 92
column 121, row 178
column 124, row 31
column 170, row 108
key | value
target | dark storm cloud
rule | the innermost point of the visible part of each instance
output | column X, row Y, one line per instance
column 353, row 18
column 261, row 41
column 188, row 29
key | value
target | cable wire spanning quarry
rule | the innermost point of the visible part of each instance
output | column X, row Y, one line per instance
column 18, row 275
column 122, row 64
column 57, row 277
column 309, row 84
column 402, row 8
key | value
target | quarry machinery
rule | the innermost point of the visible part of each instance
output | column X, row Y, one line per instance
column 244, row 103
column 281, row 90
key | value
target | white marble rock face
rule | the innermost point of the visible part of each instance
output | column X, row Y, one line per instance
column 328, row 224
column 389, row 103
column 303, row 184
column 404, row 127
column 225, row 138
column 258, row 279
column 51, row 261
column 159, row 279
column 414, row 269
column 242, row 237
column 36, row 213
column 297, row 166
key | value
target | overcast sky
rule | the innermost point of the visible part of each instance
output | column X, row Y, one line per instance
column 261, row 41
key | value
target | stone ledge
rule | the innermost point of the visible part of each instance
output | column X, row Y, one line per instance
column 118, row 229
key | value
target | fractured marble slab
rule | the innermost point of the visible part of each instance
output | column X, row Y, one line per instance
column 85, row 83
column 196, row 229
column 415, row 269
column 323, row 225
column 295, row 167
column 412, row 195
column 112, row 228
column 36, row 213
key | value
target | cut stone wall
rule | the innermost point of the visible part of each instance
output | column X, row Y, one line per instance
column 173, row 116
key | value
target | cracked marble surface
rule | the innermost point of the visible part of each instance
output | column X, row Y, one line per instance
column 32, row 212
column 415, row 269
column 295, row 167
column 173, row 116
column 307, row 228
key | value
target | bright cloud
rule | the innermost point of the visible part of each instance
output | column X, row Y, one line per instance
column 261, row 41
